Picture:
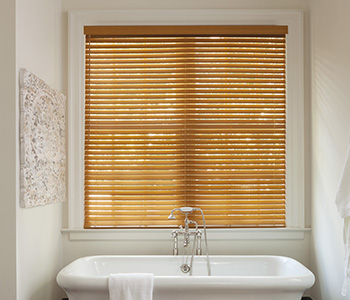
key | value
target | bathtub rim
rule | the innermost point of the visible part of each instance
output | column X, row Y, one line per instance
column 161, row 283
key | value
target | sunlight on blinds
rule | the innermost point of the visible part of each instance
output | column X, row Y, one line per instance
column 176, row 121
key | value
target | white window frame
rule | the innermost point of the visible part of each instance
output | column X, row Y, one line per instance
column 295, row 109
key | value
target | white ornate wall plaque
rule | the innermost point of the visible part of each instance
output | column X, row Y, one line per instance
column 42, row 133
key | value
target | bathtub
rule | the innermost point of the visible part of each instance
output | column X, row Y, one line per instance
column 232, row 277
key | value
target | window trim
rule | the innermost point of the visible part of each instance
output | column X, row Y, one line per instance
column 295, row 90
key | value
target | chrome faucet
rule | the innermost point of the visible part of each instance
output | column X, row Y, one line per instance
column 186, row 231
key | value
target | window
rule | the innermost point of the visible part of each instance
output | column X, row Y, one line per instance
column 185, row 116
column 292, row 210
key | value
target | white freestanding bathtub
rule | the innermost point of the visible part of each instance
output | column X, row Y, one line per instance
column 233, row 277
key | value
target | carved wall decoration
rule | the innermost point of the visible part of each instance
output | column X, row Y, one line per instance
column 43, row 150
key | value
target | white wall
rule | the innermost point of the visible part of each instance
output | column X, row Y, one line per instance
column 39, row 249
column 8, row 153
column 298, row 248
column 330, row 136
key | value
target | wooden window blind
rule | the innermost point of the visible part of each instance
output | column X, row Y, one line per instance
column 185, row 116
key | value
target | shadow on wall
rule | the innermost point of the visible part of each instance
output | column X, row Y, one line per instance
column 329, row 140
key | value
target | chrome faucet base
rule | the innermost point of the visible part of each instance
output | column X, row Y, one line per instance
column 187, row 235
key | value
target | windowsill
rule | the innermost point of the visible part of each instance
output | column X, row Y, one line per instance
column 165, row 234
